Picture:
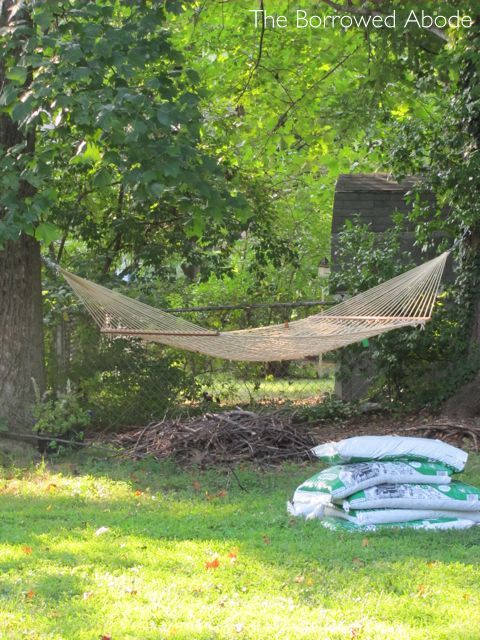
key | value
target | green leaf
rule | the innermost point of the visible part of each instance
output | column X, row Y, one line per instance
column 157, row 189
column 43, row 17
column 8, row 95
column 193, row 76
column 29, row 229
column 172, row 169
column 17, row 75
column 164, row 115
column 47, row 232
column 196, row 226
column 102, row 179
column 20, row 111
column 87, row 153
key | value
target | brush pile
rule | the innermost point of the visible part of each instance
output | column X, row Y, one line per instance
column 221, row 438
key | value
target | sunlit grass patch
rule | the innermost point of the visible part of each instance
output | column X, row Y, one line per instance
column 147, row 550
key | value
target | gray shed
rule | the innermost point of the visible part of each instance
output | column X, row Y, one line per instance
column 374, row 197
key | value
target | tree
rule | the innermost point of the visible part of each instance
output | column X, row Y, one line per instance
column 21, row 340
column 100, row 134
column 437, row 138
column 299, row 107
column 442, row 149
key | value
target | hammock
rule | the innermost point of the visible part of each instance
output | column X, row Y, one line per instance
column 404, row 301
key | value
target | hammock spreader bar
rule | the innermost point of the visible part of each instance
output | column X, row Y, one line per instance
column 126, row 332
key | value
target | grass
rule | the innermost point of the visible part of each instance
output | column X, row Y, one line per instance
column 146, row 574
column 234, row 390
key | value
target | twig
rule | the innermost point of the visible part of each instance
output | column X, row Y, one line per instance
column 221, row 438
column 259, row 55
column 232, row 471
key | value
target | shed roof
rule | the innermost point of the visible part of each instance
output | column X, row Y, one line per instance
column 375, row 182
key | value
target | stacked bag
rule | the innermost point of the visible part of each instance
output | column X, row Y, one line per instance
column 388, row 481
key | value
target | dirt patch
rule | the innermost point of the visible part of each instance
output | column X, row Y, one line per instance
column 457, row 432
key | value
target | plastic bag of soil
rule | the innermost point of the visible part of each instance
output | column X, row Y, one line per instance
column 457, row 496
column 388, row 448
column 341, row 481
column 335, row 524
column 388, row 516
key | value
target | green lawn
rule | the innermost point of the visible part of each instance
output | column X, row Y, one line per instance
column 152, row 573
column 233, row 390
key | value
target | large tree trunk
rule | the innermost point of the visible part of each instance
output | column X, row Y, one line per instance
column 21, row 332
column 465, row 403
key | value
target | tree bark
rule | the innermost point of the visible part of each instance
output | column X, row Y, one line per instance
column 465, row 403
column 21, row 331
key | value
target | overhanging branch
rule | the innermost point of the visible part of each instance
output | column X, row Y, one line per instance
column 259, row 55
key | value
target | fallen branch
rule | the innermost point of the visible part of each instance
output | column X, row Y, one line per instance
column 26, row 437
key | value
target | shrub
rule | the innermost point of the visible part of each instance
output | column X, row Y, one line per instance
column 127, row 382
column 62, row 415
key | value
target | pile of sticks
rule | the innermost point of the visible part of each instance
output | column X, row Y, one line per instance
column 239, row 435
column 220, row 438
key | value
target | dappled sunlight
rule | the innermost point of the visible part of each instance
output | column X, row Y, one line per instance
column 142, row 551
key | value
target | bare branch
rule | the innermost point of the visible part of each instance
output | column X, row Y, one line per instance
column 284, row 116
column 259, row 55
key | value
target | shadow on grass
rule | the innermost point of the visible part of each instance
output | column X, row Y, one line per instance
column 175, row 533
column 255, row 523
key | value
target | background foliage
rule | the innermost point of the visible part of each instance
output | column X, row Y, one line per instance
column 188, row 158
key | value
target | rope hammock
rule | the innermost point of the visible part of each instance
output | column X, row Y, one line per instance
column 404, row 301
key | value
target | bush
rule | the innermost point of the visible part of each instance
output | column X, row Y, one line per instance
column 331, row 409
column 126, row 382
column 62, row 415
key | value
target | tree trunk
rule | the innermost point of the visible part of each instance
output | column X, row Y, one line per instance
column 465, row 403
column 21, row 331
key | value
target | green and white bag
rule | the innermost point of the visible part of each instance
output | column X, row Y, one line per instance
column 457, row 496
column 341, row 481
column 364, row 517
column 335, row 524
column 388, row 448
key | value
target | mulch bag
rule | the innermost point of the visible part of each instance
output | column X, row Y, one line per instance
column 363, row 517
column 388, row 481
column 334, row 524
column 457, row 496
column 387, row 448
column 341, row 481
